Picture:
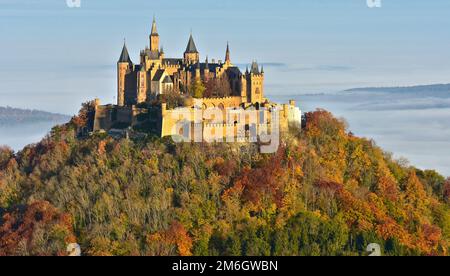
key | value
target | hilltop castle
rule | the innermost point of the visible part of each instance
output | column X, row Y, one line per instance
column 143, row 90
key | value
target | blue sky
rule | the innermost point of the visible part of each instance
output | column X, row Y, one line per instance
column 52, row 54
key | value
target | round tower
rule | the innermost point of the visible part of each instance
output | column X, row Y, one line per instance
column 124, row 66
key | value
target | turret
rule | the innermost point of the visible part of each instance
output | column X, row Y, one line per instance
column 206, row 69
column 161, row 53
column 255, row 83
column 191, row 55
column 124, row 66
column 142, row 85
column 197, row 72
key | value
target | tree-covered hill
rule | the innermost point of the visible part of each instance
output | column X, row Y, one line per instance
column 432, row 89
column 325, row 192
column 14, row 116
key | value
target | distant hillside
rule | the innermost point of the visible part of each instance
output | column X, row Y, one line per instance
column 13, row 116
column 420, row 89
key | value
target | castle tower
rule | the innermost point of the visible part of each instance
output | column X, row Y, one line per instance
column 206, row 69
column 161, row 52
column 227, row 55
column 255, row 84
column 154, row 37
column 142, row 85
column 191, row 55
column 124, row 67
column 197, row 72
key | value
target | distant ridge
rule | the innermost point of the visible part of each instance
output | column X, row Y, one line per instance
column 440, row 88
column 14, row 116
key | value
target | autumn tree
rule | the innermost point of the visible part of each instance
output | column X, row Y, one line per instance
column 447, row 190
column 36, row 229
column 197, row 89
column 172, row 98
column 218, row 87
column 6, row 154
column 176, row 237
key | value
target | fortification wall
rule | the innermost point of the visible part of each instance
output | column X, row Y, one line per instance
column 223, row 102
column 103, row 117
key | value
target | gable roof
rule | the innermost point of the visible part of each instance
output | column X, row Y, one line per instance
column 158, row 75
column 167, row 79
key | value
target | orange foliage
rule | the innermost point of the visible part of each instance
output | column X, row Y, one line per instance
column 101, row 147
column 175, row 235
column 20, row 225
column 387, row 186
column 429, row 238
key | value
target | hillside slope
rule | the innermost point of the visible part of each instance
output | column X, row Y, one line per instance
column 325, row 192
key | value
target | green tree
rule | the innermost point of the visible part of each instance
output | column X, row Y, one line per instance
column 198, row 89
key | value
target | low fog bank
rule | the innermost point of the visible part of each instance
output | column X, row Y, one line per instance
column 413, row 125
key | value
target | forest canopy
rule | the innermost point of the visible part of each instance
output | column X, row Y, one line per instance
column 324, row 192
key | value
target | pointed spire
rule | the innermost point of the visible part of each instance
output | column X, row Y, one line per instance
column 191, row 48
column 246, row 70
column 262, row 69
column 154, row 29
column 124, row 56
column 255, row 68
column 227, row 54
column 162, row 50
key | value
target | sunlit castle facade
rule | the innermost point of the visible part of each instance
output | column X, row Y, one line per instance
column 143, row 87
column 156, row 74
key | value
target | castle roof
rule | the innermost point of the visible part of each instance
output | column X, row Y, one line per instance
column 234, row 72
column 154, row 30
column 158, row 75
column 124, row 56
column 211, row 66
column 255, row 68
column 191, row 48
column 227, row 53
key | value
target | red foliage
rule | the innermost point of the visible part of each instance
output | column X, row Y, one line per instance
column 264, row 182
column 429, row 239
column 329, row 186
column 225, row 168
column 447, row 190
column 20, row 224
